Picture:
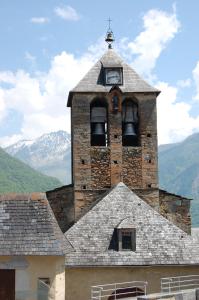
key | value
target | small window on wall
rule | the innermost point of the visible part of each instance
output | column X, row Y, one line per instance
column 127, row 239
column 43, row 288
column 129, row 123
column 99, row 122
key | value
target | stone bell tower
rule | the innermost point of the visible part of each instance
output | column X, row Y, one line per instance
column 114, row 139
column 114, row 132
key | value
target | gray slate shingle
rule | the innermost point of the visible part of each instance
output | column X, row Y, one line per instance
column 93, row 80
column 28, row 226
column 158, row 241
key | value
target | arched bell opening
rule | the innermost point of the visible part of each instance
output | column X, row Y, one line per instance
column 98, row 121
column 130, row 123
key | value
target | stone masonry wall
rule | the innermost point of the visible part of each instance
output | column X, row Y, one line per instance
column 148, row 139
column 62, row 203
column 96, row 169
column 99, row 168
column 132, row 166
column 85, row 200
column 173, row 207
column 81, row 161
column 176, row 209
column 115, row 141
column 151, row 196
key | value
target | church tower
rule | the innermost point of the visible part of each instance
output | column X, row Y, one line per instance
column 113, row 132
column 114, row 139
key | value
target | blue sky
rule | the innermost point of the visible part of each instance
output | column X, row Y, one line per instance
column 47, row 46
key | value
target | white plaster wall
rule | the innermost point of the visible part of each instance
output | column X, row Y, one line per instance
column 29, row 269
column 22, row 284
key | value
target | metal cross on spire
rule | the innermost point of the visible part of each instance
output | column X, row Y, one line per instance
column 109, row 35
column 109, row 24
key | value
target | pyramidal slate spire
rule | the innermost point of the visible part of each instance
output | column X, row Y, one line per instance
column 93, row 81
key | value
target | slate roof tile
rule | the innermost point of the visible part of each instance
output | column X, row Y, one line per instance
column 28, row 226
column 93, row 80
column 158, row 241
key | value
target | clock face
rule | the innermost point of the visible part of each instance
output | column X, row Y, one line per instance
column 113, row 76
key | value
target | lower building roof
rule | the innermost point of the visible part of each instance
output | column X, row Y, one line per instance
column 158, row 241
column 28, row 226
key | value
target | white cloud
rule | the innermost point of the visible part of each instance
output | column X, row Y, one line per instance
column 7, row 77
column 174, row 116
column 30, row 57
column 184, row 83
column 160, row 27
column 2, row 106
column 67, row 13
column 43, row 122
column 42, row 98
column 24, row 95
column 196, row 79
column 40, row 20
column 9, row 140
column 174, row 120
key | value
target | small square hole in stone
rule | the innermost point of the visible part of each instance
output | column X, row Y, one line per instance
column 148, row 134
column 83, row 162
column 115, row 136
column 149, row 161
column 84, row 187
column 149, row 185
column 115, row 162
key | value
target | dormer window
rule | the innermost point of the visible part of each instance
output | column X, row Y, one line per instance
column 123, row 239
column 127, row 239
column 113, row 76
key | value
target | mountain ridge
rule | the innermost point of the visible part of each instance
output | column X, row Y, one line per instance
column 49, row 154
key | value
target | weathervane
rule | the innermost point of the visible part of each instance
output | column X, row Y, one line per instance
column 109, row 35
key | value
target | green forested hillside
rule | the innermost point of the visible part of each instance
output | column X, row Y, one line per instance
column 179, row 170
column 15, row 176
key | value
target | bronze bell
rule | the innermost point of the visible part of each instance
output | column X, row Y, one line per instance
column 129, row 129
column 98, row 129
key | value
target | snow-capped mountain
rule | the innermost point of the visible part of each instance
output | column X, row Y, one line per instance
column 50, row 154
